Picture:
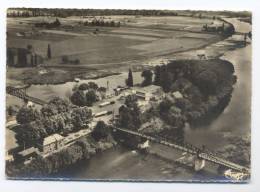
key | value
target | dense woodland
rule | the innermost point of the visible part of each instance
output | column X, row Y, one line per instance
column 205, row 85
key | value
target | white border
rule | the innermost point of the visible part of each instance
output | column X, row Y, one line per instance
column 40, row 186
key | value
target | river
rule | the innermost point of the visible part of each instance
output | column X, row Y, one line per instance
column 120, row 163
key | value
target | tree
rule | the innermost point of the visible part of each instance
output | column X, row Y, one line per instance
column 129, row 80
column 91, row 97
column 157, row 73
column 27, row 114
column 62, row 105
column 92, row 85
column 129, row 114
column 130, row 101
column 65, row 59
column 49, row 52
column 80, row 117
column 148, row 77
column 57, row 23
column 83, row 86
column 207, row 81
column 30, row 133
column 78, row 98
column 100, row 131
column 166, row 80
column 55, row 105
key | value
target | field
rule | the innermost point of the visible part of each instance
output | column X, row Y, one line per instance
column 137, row 41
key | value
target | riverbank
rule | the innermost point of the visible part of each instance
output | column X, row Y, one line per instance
column 44, row 166
column 53, row 75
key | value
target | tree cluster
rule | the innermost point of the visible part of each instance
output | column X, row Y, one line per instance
column 148, row 77
column 43, row 167
column 129, row 114
column 102, row 23
column 50, row 25
column 86, row 94
column 100, row 131
column 55, row 117
column 206, row 87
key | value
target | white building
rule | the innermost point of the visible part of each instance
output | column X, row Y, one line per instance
column 177, row 95
column 51, row 143
column 148, row 92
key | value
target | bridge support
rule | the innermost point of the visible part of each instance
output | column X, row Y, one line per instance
column 199, row 163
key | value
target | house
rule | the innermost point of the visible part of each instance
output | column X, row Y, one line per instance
column 177, row 95
column 27, row 154
column 51, row 143
column 147, row 93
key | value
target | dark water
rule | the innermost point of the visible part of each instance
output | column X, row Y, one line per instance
column 121, row 163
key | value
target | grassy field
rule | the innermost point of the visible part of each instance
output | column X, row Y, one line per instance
column 137, row 41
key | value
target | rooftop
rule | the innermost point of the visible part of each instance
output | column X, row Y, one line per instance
column 52, row 138
column 177, row 95
column 28, row 151
column 150, row 88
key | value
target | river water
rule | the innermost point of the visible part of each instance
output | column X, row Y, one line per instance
column 120, row 163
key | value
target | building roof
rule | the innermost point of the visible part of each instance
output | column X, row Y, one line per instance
column 52, row 138
column 28, row 151
column 177, row 95
column 148, row 89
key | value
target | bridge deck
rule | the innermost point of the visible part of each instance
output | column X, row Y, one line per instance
column 20, row 93
column 208, row 157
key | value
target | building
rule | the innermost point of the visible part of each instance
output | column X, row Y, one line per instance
column 177, row 95
column 27, row 154
column 22, row 57
column 51, row 143
column 149, row 92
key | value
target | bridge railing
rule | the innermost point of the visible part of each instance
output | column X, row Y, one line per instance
column 191, row 149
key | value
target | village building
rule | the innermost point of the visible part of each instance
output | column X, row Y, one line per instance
column 149, row 92
column 51, row 143
column 177, row 95
column 27, row 154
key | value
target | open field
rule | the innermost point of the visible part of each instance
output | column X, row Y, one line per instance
column 139, row 40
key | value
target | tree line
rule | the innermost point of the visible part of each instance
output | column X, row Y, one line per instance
column 102, row 23
column 19, row 12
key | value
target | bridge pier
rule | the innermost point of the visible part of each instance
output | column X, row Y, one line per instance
column 199, row 163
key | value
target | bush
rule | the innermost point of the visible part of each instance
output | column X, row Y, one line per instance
column 78, row 98
column 27, row 114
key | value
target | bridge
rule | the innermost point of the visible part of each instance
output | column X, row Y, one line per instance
column 203, row 154
column 185, row 147
column 21, row 93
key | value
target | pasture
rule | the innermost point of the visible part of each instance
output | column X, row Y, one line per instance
column 137, row 40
